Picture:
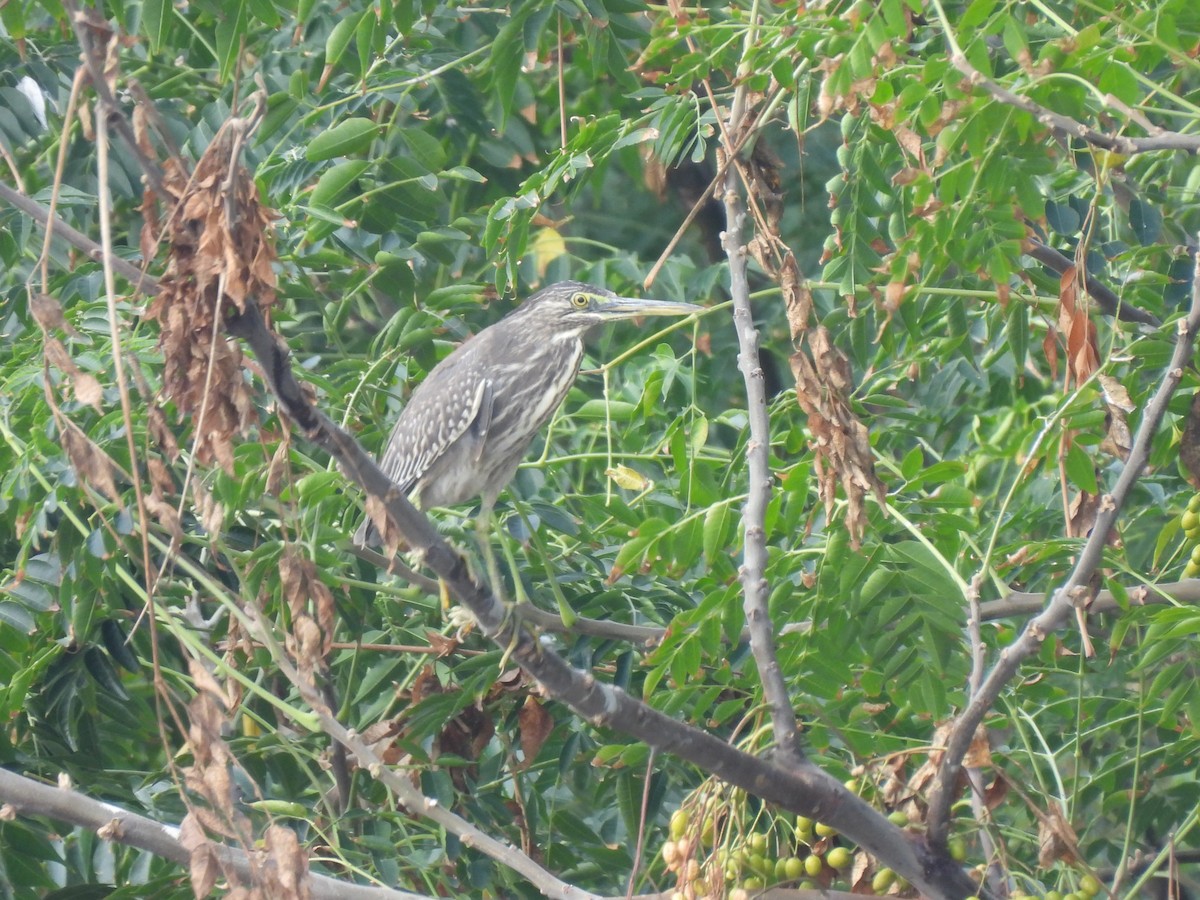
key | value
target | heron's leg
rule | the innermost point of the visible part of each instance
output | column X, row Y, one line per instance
column 483, row 533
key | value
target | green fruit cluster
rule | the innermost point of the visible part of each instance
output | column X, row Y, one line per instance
column 714, row 852
column 1190, row 522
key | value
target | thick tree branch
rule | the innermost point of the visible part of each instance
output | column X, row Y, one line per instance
column 1073, row 592
column 26, row 797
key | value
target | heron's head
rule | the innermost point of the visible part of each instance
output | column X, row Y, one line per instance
column 572, row 307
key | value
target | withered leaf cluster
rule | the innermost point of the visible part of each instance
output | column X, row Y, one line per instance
column 279, row 871
column 840, row 442
column 220, row 256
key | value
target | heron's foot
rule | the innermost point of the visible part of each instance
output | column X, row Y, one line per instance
column 462, row 619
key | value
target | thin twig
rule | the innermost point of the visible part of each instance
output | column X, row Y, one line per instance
column 1105, row 297
column 77, row 239
column 1057, row 122
column 398, row 781
column 1074, row 591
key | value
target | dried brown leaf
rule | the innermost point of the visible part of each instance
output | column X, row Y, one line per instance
column 535, row 725
column 91, row 464
column 1056, row 838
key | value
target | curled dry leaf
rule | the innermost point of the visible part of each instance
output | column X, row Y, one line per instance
column 535, row 725
column 91, row 464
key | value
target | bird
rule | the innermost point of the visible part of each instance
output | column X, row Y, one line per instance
column 469, row 424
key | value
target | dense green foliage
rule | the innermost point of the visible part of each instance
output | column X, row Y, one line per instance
column 430, row 161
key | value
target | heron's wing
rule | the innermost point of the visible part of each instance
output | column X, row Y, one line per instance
column 483, row 419
column 430, row 424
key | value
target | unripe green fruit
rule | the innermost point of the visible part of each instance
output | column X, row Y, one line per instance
column 899, row 818
column 757, row 843
column 813, row 865
column 1090, row 885
column 824, row 830
column 1189, row 521
column 1194, row 504
column 804, row 824
column 1191, row 570
column 884, row 879
column 838, row 857
column 679, row 823
column 753, row 883
column 958, row 848
column 1053, row 895
column 793, row 868
column 1196, row 554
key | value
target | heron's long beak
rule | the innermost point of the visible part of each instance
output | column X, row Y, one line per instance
column 629, row 307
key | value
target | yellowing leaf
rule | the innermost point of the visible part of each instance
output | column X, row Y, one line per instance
column 628, row 478
column 548, row 245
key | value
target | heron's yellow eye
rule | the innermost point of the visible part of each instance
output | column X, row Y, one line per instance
column 579, row 301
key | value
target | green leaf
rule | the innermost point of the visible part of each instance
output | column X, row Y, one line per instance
column 336, row 180
column 718, row 524
column 347, row 137
column 156, row 18
column 339, row 39
column 1081, row 469
column 231, row 29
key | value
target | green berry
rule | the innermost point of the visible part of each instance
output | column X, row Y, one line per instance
column 899, row 818
column 958, row 848
column 757, row 843
column 679, row 823
column 824, row 830
column 793, row 868
column 1089, row 885
column 884, row 879
column 1194, row 504
column 813, row 865
column 838, row 857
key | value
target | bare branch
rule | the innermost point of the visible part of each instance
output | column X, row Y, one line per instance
column 1074, row 592
column 33, row 798
column 755, row 591
column 77, row 239
column 1020, row 603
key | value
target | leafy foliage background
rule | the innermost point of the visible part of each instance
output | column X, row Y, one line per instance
column 427, row 161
